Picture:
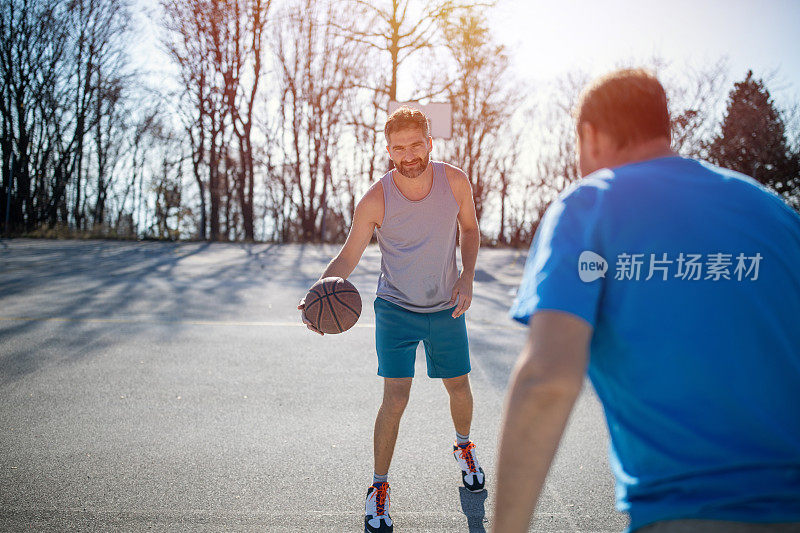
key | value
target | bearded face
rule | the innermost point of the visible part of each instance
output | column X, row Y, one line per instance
column 410, row 150
column 414, row 168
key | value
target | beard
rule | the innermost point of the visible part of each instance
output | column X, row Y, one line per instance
column 413, row 169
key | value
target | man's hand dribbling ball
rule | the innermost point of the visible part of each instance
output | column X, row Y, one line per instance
column 332, row 305
column 302, row 307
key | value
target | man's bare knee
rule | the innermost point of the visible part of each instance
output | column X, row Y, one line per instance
column 395, row 395
column 458, row 387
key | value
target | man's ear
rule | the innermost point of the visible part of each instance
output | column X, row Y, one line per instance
column 588, row 136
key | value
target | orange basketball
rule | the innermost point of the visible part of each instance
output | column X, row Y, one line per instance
column 333, row 305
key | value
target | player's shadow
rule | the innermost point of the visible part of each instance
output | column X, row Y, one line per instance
column 483, row 276
column 472, row 505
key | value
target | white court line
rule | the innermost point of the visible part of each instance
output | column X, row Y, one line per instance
column 160, row 321
column 267, row 324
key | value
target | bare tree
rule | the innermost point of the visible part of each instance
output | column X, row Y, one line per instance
column 243, row 45
column 59, row 62
column 31, row 61
column 695, row 100
column 97, row 61
column 219, row 49
column 548, row 164
column 484, row 100
column 506, row 168
column 144, row 136
column 167, row 188
column 399, row 28
column 319, row 70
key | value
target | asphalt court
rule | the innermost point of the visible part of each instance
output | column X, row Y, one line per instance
column 171, row 387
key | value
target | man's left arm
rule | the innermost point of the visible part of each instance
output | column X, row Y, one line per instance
column 544, row 386
column 470, row 239
column 560, row 311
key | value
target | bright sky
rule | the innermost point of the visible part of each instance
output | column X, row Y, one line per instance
column 547, row 38
column 550, row 37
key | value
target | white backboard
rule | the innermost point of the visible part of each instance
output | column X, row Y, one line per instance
column 440, row 115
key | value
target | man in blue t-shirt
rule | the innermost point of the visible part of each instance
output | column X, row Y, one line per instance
column 677, row 284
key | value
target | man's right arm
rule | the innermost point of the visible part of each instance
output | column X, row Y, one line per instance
column 368, row 214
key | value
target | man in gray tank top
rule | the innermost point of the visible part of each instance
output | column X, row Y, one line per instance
column 416, row 210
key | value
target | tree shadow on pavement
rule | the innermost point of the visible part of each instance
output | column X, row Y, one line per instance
column 473, row 506
column 69, row 293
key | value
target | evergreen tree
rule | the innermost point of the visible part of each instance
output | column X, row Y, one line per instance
column 753, row 141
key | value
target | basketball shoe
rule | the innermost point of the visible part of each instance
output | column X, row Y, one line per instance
column 471, row 472
column 376, row 519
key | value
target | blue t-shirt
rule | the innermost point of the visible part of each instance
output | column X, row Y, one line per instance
column 690, row 276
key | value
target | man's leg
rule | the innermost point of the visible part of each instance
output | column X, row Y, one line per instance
column 460, row 402
column 387, row 423
column 460, row 393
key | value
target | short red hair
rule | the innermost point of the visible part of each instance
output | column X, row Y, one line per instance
column 630, row 105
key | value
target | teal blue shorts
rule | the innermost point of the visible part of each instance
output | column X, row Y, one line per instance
column 398, row 332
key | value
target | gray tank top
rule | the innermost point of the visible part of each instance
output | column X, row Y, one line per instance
column 418, row 245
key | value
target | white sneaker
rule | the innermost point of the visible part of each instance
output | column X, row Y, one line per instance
column 376, row 516
column 471, row 472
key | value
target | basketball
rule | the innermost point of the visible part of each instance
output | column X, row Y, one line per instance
column 333, row 305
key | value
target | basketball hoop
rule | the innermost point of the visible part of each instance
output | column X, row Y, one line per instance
column 440, row 115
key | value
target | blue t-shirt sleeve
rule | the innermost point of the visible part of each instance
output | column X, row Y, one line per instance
column 551, row 279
